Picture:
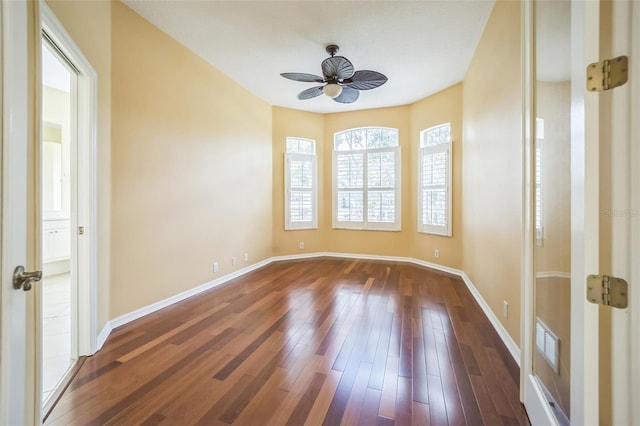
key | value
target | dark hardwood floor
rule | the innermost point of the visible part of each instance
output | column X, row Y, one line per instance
column 324, row 341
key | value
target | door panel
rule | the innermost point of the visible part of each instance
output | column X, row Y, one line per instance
column 552, row 204
column 16, row 368
column 560, row 354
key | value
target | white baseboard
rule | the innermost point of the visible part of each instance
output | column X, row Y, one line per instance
column 511, row 345
column 103, row 335
column 138, row 313
column 538, row 408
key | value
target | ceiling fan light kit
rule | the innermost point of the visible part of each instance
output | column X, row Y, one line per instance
column 332, row 90
column 342, row 82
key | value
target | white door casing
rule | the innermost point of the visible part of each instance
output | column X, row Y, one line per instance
column 634, row 294
column 621, row 217
column 585, row 185
column 626, row 370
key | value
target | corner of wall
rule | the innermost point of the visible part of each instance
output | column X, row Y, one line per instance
column 492, row 166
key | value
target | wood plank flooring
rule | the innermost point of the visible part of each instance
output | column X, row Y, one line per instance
column 324, row 341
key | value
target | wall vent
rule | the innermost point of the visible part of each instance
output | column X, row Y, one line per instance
column 548, row 345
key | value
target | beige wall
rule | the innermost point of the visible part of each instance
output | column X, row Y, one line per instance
column 492, row 165
column 293, row 123
column 89, row 24
column 191, row 168
column 443, row 107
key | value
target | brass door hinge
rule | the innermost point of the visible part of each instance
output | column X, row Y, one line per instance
column 607, row 74
column 608, row 291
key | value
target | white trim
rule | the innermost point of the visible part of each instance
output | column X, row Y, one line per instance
column 527, row 296
column 634, row 302
column 553, row 274
column 87, row 108
column 538, row 408
column 103, row 335
column 365, row 224
column 585, row 211
column 138, row 313
column 423, row 151
column 511, row 345
column 621, row 186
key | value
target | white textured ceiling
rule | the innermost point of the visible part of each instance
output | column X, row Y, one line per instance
column 421, row 46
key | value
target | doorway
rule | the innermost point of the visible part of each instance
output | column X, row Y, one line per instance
column 575, row 363
column 66, row 302
column 58, row 174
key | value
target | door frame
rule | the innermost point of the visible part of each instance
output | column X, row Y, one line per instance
column 623, row 217
column 585, row 18
column 634, row 302
column 87, row 110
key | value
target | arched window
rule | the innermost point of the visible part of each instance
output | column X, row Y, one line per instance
column 434, row 180
column 366, row 179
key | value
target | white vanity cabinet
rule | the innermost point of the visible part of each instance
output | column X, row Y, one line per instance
column 56, row 240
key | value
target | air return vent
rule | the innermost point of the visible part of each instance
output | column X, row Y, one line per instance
column 548, row 345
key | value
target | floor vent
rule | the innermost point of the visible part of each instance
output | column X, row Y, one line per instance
column 548, row 345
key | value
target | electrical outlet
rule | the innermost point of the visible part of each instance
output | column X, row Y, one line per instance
column 436, row 254
column 233, row 261
column 505, row 309
column 246, row 257
column 215, row 267
column 301, row 245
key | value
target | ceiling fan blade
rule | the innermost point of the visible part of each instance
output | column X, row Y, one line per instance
column 310, row 93
column 337, row 68
column 300, row 76
column 347, row 96
column 366, row 80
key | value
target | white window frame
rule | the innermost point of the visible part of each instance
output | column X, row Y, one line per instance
column 290, row 225
column 426, row 228
column 365, row 224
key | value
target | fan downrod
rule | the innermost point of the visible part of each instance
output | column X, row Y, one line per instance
column 332, row 49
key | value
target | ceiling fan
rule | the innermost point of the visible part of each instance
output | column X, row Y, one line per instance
column 342, row 82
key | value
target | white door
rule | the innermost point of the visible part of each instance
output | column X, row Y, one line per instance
column 17, row 366
column 21, row 237
column 576, row 355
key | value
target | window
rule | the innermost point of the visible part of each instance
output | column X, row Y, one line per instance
column 301, row 184
column 366, row 179
column 434, row 174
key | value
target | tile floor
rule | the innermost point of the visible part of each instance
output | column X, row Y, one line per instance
column 56, row 331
